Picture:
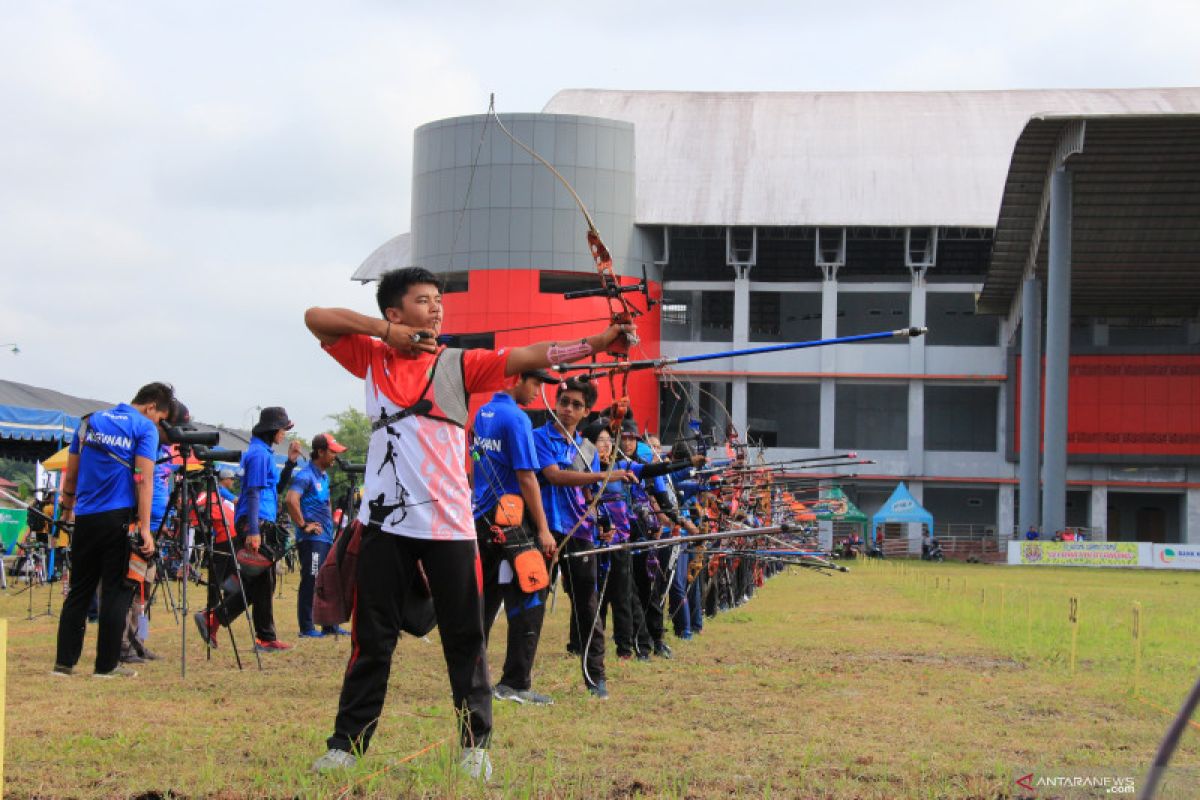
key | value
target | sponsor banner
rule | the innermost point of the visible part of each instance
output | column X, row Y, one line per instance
column 1081, row 554
column 12, row 525
column 1176, row 556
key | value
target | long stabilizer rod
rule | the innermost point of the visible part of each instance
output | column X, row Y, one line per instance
column 650, row 544
column 658, row 363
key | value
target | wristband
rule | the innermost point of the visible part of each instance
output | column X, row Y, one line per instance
column 566, row 353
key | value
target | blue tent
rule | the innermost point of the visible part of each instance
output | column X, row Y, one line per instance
column 36, row 424
column 901, row 507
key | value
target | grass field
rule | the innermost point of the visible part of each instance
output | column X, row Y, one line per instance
column 897, row 680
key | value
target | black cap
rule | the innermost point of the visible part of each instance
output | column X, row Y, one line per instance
column 545, row 376
column 179, row 413
column 272, row 418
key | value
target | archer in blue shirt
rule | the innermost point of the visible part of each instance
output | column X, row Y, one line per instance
column 108, row 483
column 307, row 504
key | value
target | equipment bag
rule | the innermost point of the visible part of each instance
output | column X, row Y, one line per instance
column 337, row 588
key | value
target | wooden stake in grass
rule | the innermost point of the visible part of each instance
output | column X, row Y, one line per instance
column 982, row 604
column 1137, row 647
column 1073, row 617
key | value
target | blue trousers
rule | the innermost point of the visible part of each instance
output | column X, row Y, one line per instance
column 312, row 556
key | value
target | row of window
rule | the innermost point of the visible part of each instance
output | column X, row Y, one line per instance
column 867, row 416
column 707, row 316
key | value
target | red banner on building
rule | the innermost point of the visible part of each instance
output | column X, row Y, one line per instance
column 1128, row 406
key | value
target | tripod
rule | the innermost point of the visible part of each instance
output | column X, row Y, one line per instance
column 37, row 557
column 183, row 502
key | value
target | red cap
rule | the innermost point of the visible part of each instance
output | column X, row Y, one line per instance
column 325, row 441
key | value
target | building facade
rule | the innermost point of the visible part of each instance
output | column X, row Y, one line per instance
column 766, row 218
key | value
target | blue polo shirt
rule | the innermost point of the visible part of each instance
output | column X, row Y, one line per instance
column 313, row 486
column 260, row 474
column 162, row 487
column 503, row 444
column 104, row 483
column 564, row 504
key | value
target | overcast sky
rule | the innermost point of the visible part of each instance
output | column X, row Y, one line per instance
column 178, row 181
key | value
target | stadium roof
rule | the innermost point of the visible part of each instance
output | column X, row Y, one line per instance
column 1135, row 223
column 395, row 253
column 837, row 158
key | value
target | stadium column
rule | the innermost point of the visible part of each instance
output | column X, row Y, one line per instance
column 1058, row 347
column 1192, row 514
column 916, row 400
column 1005, row 521
column 1030, row 399
column 916, row 386
column 829, row 302
column 741, row 338
column 1098, row 518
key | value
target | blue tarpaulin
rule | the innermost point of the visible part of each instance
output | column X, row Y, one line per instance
column 36, row 424
column 901, row 507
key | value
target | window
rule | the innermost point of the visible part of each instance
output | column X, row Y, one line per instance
column 871, row 312
column 563, row 282
column 716, row 316
column 456, row 282
column 961, row 418
column 704, row 401
column 678, row 314
column 785, row 316
column 784, row 415
column 952, row 321
column 468, row 341
column 871, row 417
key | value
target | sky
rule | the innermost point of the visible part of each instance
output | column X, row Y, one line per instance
column 179, row 181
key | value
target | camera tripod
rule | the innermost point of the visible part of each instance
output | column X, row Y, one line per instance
column 38, row 559
column 194, row 535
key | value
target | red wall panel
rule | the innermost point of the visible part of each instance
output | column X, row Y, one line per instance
column 1129, row 405
column 500, row 299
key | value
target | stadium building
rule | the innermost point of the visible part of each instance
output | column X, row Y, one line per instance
column 777, row 217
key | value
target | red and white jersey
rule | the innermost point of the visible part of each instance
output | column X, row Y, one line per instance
column 416, row 481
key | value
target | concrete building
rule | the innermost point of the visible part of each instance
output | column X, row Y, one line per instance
column 774, row 217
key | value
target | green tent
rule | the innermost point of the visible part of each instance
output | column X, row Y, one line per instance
column 852, row 514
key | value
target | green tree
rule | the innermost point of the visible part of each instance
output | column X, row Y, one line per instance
column 352, row 429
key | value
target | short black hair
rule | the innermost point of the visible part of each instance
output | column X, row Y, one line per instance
column 394, row 284
column 158, row 394
column 586, row 388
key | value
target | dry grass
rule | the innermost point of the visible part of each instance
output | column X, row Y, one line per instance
column 865, row 685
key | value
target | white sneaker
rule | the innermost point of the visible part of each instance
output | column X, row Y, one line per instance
column 476, row 764
column 334, row 759
column 118, row 671
column 502, row 692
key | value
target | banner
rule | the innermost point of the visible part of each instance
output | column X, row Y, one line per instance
column 12, row 525
column 1080, row 554
column 1176, row 556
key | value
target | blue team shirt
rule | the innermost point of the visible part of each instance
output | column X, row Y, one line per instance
column 564, row 504
column 104, row 483
column 502, row 445
column 259, row 473
column 226, row 494
column 162, row 487
column 313, row 486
